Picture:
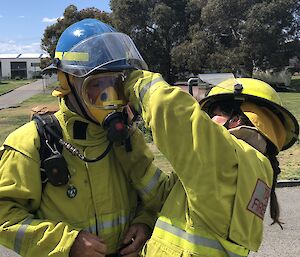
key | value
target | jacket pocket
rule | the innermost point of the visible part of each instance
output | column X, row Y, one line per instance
column 154, row 248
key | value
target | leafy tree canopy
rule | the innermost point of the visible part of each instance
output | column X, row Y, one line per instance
column 155, row 26
column 177, row 37
column 192, row 35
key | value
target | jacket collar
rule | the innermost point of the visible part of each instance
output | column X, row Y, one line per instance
column 251, row 136
column 79, row 130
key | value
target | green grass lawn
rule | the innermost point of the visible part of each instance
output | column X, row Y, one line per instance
column 295, row 83
column 12, row 118
column 289, row 159
column 6, row 86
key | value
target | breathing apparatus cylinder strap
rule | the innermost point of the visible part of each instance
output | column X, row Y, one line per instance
column 72, row 149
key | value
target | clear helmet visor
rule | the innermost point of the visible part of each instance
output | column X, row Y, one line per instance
column 101, row 52
column 104, row 91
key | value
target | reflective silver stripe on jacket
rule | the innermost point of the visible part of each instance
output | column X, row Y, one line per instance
column 20, row 234
column 114, row 223
column 147, row 86
column 152, row 183
column 111, row 223
column 194, row 239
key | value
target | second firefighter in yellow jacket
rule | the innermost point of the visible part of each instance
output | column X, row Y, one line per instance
column 224, row 153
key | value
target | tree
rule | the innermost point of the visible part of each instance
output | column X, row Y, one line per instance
column 155, row 27
column 182, row 36
column 71, row 15
column 249, row 33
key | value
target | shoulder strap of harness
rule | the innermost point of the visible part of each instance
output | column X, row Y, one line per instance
column 46, row 139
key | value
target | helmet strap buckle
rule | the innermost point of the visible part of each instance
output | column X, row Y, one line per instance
column 238, row 88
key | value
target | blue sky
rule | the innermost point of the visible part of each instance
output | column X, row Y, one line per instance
column 22, row 22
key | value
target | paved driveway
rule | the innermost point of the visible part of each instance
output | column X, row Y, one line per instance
column 277, row 242
column 286, row 242
column 17, row 96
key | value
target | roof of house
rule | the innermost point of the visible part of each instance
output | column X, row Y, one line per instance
column 215, row 78
column 24, row 56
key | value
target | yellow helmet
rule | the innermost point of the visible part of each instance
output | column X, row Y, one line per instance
column 262, row 105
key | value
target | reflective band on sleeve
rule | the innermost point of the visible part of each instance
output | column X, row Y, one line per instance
column 194, row 239
column 148, row 85
column 151, row 183
column 20, row 234
column 72, row 56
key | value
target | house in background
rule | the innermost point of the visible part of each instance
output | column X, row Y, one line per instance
column 20, row 66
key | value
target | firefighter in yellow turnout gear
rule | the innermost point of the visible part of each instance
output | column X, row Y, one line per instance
column 107, row 202
column 223, row 152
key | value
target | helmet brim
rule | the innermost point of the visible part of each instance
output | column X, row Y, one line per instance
column 288, row 119
column 114, row 66
column 49, row 69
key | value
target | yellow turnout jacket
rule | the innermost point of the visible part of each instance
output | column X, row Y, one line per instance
column 217, row 206
column 121, row 189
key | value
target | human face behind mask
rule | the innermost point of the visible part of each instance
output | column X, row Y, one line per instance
column 218, row 116
column 102, row 94
column 227, row 115
column 104, row 91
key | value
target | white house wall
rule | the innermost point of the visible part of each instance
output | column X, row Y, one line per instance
column 6, row 66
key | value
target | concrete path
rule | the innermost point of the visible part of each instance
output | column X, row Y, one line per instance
column 276, row 242
column 286, row 242
column 17, row 96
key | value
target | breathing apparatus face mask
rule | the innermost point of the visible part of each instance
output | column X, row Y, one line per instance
column 103, row 95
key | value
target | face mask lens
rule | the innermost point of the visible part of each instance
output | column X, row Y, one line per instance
column 104, row 91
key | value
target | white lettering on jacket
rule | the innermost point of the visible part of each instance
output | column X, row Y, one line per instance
column 259, row 200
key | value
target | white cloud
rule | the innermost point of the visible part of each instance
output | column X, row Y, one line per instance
column 1, row 16
column 11, row 47
column 22, row 16
column 50, row 20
